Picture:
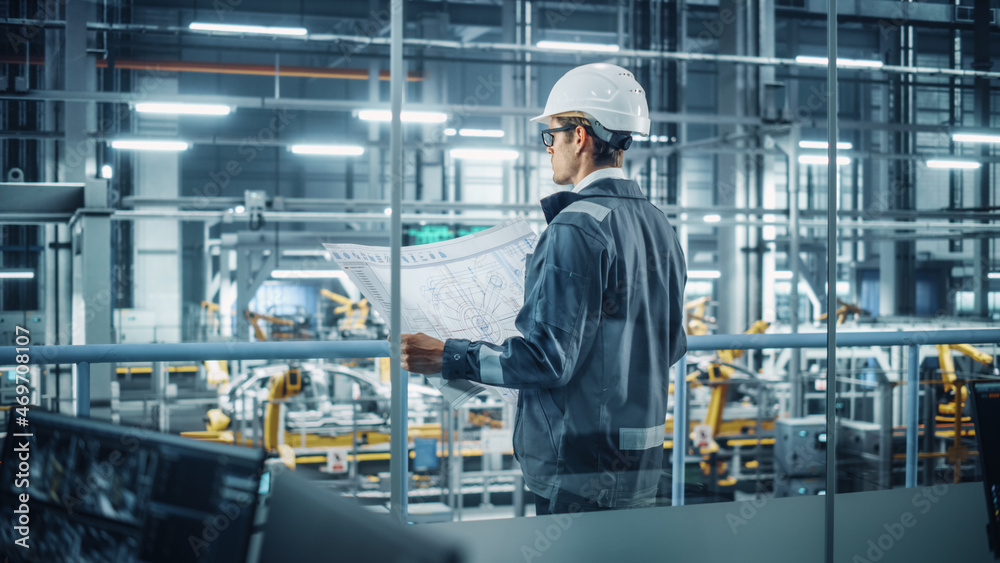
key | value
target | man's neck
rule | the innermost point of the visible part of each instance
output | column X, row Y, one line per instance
column 586, row 170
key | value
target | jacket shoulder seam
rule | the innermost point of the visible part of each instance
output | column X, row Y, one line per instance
column 600, row 241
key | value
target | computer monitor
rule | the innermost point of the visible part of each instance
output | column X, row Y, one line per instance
column 308, row 523
column 986, row 414
column 100, row 492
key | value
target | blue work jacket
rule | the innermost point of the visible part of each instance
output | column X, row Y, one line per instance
column 601, row 325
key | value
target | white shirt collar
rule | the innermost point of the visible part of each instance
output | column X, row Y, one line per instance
column 602, row 174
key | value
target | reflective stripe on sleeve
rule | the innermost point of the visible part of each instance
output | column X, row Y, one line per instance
column 489, row 366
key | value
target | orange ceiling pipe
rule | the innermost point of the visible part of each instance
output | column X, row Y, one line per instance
column 232, row 68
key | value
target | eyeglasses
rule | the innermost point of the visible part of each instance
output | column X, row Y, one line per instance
column 547, row 134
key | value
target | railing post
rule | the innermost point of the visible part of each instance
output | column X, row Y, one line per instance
column 912, row 394
column 680, row 431
column 82, row 390
column 399, row 462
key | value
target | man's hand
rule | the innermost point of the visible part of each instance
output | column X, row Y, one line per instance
column 421, row 353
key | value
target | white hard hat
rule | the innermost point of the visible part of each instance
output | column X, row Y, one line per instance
column 607, row 94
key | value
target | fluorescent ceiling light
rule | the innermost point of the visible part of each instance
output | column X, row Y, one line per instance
column 953, row 164
column 704, row 274
column 975, row 138
column 822, row 159
column 497, row 133
column 407, row 116
column 713, row 218
column 484, row 154
column 185, row 109
column 823, row 145
column 846, row 63
column 260, row 29
column 150, row 145
column 993, row 275
column 450, row 132
column 17, row 275
column 107, row 172
column 330, row 150
column 307, row 274
column 577, row 46
column 638, row 137
column 782, row 275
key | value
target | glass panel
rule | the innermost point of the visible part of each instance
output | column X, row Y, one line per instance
column 223, row 244
column 903, row 411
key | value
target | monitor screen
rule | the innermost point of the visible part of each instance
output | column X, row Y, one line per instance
column 986, row 414
column 101, row 492
column 306, row 522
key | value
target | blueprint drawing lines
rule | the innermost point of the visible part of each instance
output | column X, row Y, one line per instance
column 482, row 296
column 471, row 287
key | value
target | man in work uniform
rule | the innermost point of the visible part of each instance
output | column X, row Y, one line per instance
column 602, row 315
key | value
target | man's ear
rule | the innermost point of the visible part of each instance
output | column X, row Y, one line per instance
column 580, row 139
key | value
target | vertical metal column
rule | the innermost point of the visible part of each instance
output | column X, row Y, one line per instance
column 91, row 256
column 91, row 292
column 912, row 395
column 797, row 398
column 78, row 162
column 459, row 468
column 508, row 98
column 399, row 459
column 680, row 431
column 160, row 380
column 831, row 270
column 374, row 189
column 449, row 420
column 883, row 398
column 982, row 38
column 731, row 180
column 530, row 160
column 82, row 390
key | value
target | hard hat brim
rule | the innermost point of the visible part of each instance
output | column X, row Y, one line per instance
column 545, row 117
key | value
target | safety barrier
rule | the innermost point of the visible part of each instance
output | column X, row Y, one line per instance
column 82, row 356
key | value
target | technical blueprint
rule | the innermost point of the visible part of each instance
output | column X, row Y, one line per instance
column 470, row 287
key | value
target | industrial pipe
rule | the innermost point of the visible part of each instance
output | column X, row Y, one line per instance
column 229, row 68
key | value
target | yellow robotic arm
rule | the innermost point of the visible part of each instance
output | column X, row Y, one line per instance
column 282, row 386
column 718, row 372
column 697, row 321
column 948, row 374
column 335, row 297
column 259, row 332
column 212, row 313
column 217, row 372
column 844, row 310
column 355, row 314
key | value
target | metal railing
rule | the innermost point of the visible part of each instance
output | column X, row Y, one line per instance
column 911, row 339
column 83, row 356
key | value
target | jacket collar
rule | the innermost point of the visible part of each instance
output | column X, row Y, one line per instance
column 599, row 174
column 608, row 187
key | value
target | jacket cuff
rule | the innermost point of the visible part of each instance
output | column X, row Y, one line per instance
column 454, row 360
